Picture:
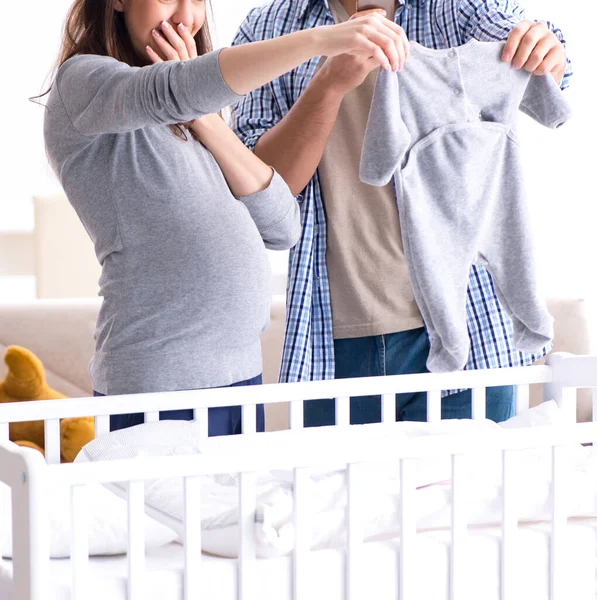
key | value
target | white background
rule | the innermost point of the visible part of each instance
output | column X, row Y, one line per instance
column 560, row 166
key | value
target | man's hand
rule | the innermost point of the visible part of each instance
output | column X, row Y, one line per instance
column 346, row 72
column 535, row 48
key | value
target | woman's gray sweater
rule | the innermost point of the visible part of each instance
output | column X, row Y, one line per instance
column 186, row 281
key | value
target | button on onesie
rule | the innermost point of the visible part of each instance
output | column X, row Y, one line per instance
column 445, row 128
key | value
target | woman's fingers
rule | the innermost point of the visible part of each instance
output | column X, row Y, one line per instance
column 390, row 37
column 175, row 41
column 188, row 39
column 388, row 47
column 173, row 44
column 154, row 57
column 164, row 46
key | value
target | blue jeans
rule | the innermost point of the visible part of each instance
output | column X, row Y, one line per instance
column 397, row 354
column 222, row 420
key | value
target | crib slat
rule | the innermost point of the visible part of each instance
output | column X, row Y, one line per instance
column 192, row 537
column 459, row 533
column 354, row 518
column 478, row 396
column 296, row 414
column 201, row 416
column 302, row 528
column 509, row 526
column 522, row 398
column 102, row 425
column 136, row 540
column 343, row 411
column 52, row 441
column 151, row 417
column 434, row 406
column 79, row 542
column 249, row 418
column 565, row 398
column 4, row 432
column 557, row 587
column 246, row 554
column 408, row 530
column 388, row 408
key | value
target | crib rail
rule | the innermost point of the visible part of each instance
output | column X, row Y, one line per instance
column 294, row 393
column 355, row 457
column 560, row 378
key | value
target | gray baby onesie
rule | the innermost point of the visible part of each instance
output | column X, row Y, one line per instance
column 445, row 128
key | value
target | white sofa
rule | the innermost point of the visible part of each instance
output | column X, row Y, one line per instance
column 60, row 333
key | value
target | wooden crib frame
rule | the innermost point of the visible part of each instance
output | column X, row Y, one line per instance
column 29, row 475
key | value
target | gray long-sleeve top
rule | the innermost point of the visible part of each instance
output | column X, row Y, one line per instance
column 445, row 128
column 186, row 281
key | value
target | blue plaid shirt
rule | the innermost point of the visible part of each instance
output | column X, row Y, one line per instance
column 308, row 346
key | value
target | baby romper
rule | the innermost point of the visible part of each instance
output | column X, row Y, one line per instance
column 445, row 128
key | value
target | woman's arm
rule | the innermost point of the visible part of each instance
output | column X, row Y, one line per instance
column 102, row 95
column 263, row 192
column 247, row 67
column 244, row 172
column 372, row 36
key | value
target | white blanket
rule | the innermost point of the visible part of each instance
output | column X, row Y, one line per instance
column 380, row 498
column 379, row 482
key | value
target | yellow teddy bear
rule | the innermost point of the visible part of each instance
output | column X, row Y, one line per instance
column 26, row 381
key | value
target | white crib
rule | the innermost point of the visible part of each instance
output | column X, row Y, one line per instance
column 30, row 476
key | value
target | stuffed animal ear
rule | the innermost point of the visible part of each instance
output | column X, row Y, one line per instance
column 26, row 376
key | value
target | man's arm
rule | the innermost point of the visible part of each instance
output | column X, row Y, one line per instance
column 293, row 144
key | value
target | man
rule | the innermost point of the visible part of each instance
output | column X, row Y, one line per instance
column 350, row 308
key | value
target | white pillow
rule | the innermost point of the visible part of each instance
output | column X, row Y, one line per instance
column 219, row 496
column 107, row 522
column 159, row 438
column 546, row 413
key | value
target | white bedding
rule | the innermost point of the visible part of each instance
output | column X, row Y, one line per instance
column 379, row 482
column 379, row 564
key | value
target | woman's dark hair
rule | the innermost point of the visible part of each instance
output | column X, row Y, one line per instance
column 95, row 27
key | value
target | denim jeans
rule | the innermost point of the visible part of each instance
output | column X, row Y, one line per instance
column 222, row 420
column 397, row 354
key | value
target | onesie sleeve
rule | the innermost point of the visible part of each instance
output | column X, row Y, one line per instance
column 545, row 102
column 386, row 136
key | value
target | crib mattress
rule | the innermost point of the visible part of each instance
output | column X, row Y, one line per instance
column 272, row 578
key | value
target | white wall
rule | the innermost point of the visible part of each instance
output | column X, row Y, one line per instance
column 559, row 165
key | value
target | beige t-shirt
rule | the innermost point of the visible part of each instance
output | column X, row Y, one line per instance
column 369, row 283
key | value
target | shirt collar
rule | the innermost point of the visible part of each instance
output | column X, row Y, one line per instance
column 305, row 4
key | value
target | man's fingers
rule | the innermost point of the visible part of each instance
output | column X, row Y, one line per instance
column 514, row 39
column 551, row 63
column 526, row 47
column 538, row 54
